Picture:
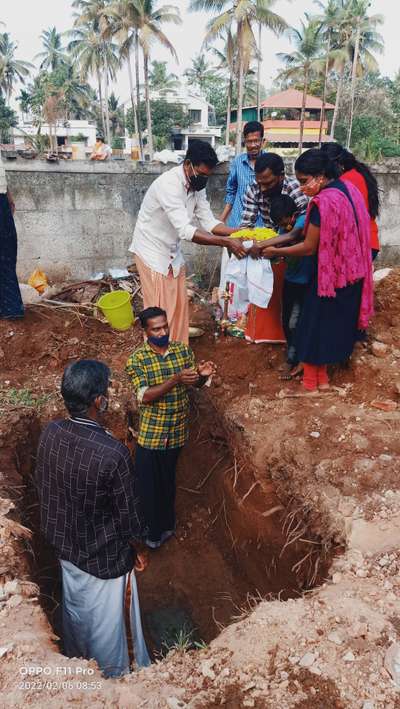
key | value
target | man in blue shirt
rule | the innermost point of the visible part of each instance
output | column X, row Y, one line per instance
column 241, row 175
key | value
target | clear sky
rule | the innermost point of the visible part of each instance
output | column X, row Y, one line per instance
column 25, row 20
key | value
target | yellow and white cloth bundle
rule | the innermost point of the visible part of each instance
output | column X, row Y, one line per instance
column 254, row 277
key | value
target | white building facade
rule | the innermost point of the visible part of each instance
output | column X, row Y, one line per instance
column 201, row 116
column 66, row 131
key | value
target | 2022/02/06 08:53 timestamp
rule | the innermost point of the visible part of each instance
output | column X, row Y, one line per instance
column 46, row 684
column 36, row 677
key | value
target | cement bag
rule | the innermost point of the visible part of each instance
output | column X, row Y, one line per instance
column 38, row 280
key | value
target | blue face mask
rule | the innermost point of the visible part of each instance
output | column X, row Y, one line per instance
column 159, row 341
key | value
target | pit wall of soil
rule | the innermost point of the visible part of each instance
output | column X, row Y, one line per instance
column 75, row 219
column 236, row 542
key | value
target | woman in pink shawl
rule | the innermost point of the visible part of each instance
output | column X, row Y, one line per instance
column 339, row 300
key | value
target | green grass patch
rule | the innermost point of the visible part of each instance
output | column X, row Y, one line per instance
column 23, row 398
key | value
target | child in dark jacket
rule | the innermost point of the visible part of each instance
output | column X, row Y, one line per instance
column 297, row 277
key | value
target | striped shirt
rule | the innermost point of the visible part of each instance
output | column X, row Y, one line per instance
column 256, row 202
column 241, row 175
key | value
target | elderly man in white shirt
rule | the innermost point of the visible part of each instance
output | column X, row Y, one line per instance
column 10, row 296
column 173, row 206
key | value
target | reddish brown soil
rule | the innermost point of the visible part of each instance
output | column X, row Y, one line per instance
column 328, row 465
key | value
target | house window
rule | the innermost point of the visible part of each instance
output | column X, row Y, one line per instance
column 194, row 115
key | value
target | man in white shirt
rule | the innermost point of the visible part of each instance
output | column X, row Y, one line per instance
column 172, row 207
column 10, row 296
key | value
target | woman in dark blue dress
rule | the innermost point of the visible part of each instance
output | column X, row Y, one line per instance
column 339, row 299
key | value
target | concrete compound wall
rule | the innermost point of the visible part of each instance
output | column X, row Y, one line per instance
column 76, row 218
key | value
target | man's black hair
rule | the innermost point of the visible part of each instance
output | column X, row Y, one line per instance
column 253, row 127
column 281, row 207
column 149, row 314
column 271, row 161
column 83, row 381
column 200, row 152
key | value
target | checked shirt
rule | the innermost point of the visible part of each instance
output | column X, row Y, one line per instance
column 89, row 508
column 163, row 423
column 256, row 202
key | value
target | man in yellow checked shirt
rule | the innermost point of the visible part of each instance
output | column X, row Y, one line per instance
column 161, row 372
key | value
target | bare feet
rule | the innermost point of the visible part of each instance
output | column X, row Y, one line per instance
column 297, row 371
column 289, row 372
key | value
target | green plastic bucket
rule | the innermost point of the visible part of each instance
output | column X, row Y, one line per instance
column 117, row 308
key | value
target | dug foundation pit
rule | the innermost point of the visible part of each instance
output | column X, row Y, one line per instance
column 236, row 544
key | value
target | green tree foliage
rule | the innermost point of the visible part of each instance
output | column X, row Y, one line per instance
column 8, row 119
column 161, row 79
column 53, row 54
column 200, row 73
column 301, row 62
column 117, row 118
column 376, row 124
column 213, row 83
column 242, row 17
column 75, row 98
column 12, row 70
column 165, row 118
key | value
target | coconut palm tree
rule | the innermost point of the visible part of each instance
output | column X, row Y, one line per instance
column 53, row 54
column 199, row 73
column 241, row 16
column 302, row 61
column 24, row 101
column 123, row 16
column 137, row 25
column 161, row 79
column 116, row 115
column 94, row 14
column 76, row 96
column 227, row 59
column 150, row 21
column 86, row 46
column 228, row 62
column 330, row 18
column 343, row 53
column 11, row 69
column 363, row 26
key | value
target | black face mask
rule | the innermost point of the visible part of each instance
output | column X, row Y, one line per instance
column 198, row 182
column 274, row 191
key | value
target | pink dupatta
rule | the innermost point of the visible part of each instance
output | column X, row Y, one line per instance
column 344, row 252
